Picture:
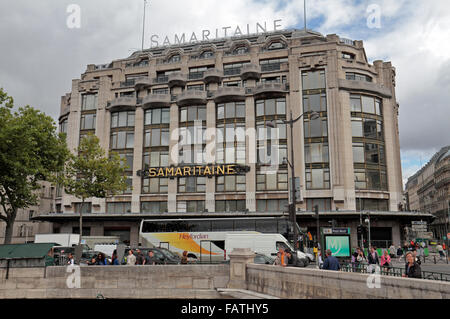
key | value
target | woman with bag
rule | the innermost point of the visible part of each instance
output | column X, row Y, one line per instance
column 386, row 260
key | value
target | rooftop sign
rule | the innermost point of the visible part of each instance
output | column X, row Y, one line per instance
column 208, row 35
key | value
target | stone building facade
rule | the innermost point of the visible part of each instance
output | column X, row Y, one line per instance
column 146, row 106
column 428, row 191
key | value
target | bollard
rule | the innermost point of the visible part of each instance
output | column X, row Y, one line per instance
column 435, row 259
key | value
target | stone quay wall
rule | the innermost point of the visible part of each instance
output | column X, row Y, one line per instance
column 300, row 283
column 159, row 281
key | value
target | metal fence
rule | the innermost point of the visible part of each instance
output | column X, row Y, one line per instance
column 392, row 271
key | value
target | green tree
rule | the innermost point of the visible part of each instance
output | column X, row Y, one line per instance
column 30, row 151
column 90, row 173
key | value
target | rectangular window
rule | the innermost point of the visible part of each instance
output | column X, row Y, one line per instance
column 88, row 121
column 192, row 184
column 317, row 178
column 313, row 80
column 157, row 116
column 271, row 205
column 154, row 207
column 323, row 203
column 122, row 139
column 89, row 102
column 272, row 181
column 230, row 206
column 118, row 208
column 122, row 119
column 155, row 185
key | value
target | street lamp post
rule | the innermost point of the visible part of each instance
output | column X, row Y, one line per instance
column 368, row 222
column 292, row 214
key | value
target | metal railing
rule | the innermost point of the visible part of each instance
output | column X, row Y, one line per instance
column 392, row 271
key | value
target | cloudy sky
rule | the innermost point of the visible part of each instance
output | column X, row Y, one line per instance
column 40, row 54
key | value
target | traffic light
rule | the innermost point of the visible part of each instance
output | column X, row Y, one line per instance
column 360, row 230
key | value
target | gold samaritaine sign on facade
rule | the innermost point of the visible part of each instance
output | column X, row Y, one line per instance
column 195, row 170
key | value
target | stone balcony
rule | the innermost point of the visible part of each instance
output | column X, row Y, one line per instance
column 250, row 71
column 270, row 89
column 191, row 97
column 156, row 100
column 354, row 85
column 212, row 76
column 141, row 83
column 229, row 93
column 122, row 103
column 177, row 79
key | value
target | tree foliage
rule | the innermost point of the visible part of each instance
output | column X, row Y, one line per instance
column 30, row 151
column 90, row 173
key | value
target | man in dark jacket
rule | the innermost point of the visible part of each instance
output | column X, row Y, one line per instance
column 372, row 258
column 331, row 263
column 412, row 268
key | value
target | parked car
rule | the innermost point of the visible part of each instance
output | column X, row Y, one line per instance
column 162, row 255
column 263, row 259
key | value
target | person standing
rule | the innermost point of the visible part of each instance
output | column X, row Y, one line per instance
column 372, row 259
column 184, row 258
column 399, row 252
column 331, row 263
column 140, row 257
column 392, row 251
column 70, row 259
column 283, row 257
column 412, row 268
column 150, row 259
column 114, row 259
column 386, row 260
column 131, row 258
column 355, row 260
column 440, row 250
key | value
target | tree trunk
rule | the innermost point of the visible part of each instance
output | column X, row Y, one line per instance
column 9, row 231
column 81, row 221
column 10, row 219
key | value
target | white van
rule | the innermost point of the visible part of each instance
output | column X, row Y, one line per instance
column 266, row 244
column 66, row 240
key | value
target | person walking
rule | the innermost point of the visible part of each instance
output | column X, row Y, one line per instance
column 412, row 268
column 131, row 258
column 385, row 261
column 331, row 263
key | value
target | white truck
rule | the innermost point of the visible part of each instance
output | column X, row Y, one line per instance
column 265, row 244
column 65, row 240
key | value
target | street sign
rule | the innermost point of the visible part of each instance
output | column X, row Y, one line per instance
column 340, row 230
column 448, row 235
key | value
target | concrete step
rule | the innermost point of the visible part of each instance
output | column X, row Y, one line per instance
column 243, row 294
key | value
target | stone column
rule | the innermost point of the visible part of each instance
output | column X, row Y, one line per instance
column 239, row 258
column 250, row 153
column 173, row 153
column 137, row 159
column 210, row 203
